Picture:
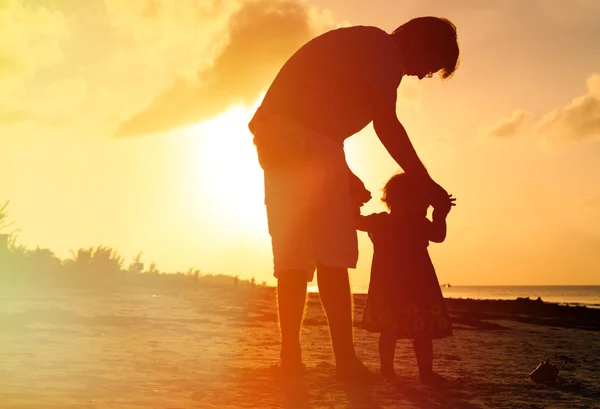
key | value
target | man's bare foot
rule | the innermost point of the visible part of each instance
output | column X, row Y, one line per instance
column 292, row 369
column 290, row 360
column 353, row 370
column 387, row 372
column 432, row 378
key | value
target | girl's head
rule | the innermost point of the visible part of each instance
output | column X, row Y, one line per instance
column 401, row 194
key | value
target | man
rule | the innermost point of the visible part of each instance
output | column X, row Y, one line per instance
column 330, row 89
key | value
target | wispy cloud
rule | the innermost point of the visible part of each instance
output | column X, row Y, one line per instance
column 579, row 120
column 9, row 116
column 510, row 127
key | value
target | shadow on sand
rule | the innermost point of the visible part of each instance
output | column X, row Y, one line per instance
column 372, row 395
column 295, row 393
column 446, row 396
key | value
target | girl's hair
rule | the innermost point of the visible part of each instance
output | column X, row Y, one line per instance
column 431, row 38
column 399, row 187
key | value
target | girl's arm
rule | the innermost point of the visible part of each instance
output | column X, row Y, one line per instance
column 370, row 222
column 358, row 192
column 437, row 230
column 362, row 222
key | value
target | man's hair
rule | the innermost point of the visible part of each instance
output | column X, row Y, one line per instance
column 436, row 36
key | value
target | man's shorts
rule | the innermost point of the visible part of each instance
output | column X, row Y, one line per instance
column 307, row 197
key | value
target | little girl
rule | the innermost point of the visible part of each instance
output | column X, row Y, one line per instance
column 405, row 300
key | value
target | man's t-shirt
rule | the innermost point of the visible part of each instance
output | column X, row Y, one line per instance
column 329, row 84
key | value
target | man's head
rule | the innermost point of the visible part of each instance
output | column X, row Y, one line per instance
column 429, row 45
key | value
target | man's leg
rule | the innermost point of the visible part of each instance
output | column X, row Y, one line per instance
column 291, row 298
column 336, row 297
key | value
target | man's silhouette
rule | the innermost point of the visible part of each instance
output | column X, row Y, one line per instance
column 331, row 88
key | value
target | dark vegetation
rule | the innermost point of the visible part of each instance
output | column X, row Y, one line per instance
column 98, row 267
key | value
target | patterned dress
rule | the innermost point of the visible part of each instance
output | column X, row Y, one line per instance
column 404, row 293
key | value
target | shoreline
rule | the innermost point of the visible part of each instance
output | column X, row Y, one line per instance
column 479, row 313
column 592, row 306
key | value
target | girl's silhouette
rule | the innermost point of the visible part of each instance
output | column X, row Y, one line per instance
column 405, row 299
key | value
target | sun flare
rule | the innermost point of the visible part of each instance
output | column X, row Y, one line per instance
column 227, row 170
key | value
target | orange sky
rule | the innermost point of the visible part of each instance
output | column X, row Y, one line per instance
column 124, row 124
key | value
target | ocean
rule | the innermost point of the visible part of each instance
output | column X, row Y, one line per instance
column 588, row 295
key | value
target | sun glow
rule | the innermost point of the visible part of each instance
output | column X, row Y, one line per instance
column 229, row 178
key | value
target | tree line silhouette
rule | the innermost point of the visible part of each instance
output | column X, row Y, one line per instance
column 100, row 267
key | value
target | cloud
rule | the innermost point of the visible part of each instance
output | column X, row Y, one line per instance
column 577, row 121
column 160, row 63
column 159, row 23
column 262, row 35
column 510, row 127
column 31, row 43
column 120, row 55
column 594, row 201
column 31, row 36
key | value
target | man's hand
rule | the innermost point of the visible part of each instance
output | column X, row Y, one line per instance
column 442, row 210
column 438, row 196
column 358, row 192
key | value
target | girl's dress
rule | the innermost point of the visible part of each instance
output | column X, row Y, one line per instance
column 404, row 293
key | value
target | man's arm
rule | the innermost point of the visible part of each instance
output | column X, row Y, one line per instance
column 395, row 139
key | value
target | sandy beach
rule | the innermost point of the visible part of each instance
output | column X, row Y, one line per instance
column 164, row 163
column 216, row 347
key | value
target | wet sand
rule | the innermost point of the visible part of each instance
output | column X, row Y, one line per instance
column 216, row 347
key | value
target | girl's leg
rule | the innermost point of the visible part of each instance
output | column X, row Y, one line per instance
column 387, row 349
column 424, row 352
